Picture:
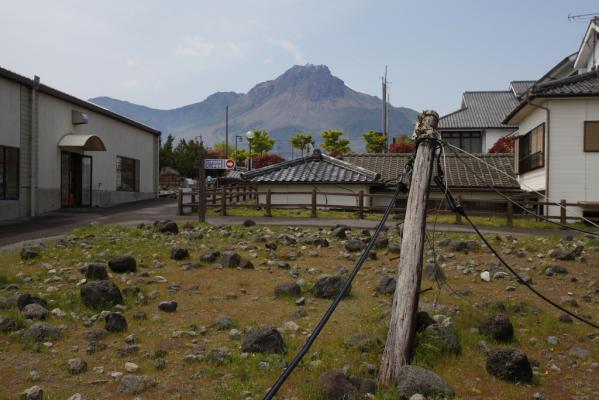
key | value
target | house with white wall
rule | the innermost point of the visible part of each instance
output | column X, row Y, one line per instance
column 557, row 138
column 59, row 151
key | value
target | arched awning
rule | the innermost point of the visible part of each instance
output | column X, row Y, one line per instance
column 82, row 142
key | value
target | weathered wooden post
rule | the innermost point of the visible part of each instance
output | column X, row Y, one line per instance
column 223, row 201
column 458, row 216
column 268, row 203
column 400, row 338
column 510, row 214
column 313, row 212
column 562, row 212
column 201, row 188
column 180, row 202
column 361, row 204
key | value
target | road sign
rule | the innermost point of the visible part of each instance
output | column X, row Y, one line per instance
column 218, row 163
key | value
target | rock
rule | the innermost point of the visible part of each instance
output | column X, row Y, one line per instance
column 76, row 396
column 395, row 247
column 317, row 241
column 179, row 253
column 565, row 318
column 552, row 340
column 287, row 240
column 422, row 321
column 41, row 331
column 387, row 284
column 482, row 347
column 246, row 264
column 7, row 324
column 264, row 340
column 76, row 366
column 95, row 272
column 169, row 227
column 511, row 365
column 567, row 253
column 537, row 396
column 131, row 367
column 224, row 322
column 339, row 231
column 271, row 246
column 364, row 342
column 122, row 264
column 33, row 393
column 248, row 222
column 134, row 384
column 329, row 286
column 210, row 257
column 444, row 339
column 115, row 322
column 140, row 315
column 29, row 253
column 230, row 259
column 463, row 245
column 160, row 363
column 498, row 327
column 26, row 299
column 219, row 355
column 416, row 380
column 353, row 245
column 234, row 334
column 336, row 386
column 568, row 301
column 97, row 294
column 34, row 311
column 417, row 396
column 290, row 289
column 485, row 276
column 168, row 306
column 579, row 352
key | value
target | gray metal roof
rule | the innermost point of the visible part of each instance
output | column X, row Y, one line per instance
column 481, row 110
column 315, row 168
column 520, row 87
column 458, row 175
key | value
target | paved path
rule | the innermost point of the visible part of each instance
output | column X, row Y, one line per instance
column 60, row 222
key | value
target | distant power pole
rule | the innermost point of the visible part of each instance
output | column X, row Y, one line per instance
column 227, row 132
column 385, row 98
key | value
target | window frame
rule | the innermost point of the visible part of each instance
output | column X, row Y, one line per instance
column 584, row 139
column 136, row 174
column 460, row 136
column 530, row 155
column 4, row 183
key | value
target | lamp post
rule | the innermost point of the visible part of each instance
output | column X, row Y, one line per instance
column 250, row 135
column 238, row 139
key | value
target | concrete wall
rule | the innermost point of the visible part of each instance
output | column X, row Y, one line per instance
column 322, row 199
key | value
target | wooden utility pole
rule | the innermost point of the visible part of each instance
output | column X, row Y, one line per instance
column 385, row 109
column 202, row 187
column 227, row 133
column 400, row 339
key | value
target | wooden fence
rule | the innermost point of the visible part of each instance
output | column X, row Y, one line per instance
column 242, row 196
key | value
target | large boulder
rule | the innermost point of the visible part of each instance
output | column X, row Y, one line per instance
column 169, row 227
column 264, row 340
column 498, row 327
column 414, row 380
column 509, row 364
column 338, row 386
column 290, row 289
column 230, row 259
column 329, row 286
column 444, row 338
column 26, row 299
column 122, row 264
column 569, row 253
column 41, row 331
column 115, row 322
column 387, row 284
column 97, row 294
column 95, row 272
column 134, row 384
column 34, row 311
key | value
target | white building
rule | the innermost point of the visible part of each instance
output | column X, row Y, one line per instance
column 557, row 146
column 60, row 151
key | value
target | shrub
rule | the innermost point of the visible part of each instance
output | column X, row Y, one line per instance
column 266, row 160
column 503, row 145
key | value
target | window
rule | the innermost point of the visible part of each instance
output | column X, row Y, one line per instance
column 9, row 173
column 591, row 136
column 468, row 141
column 531, row 147
column 127, row 174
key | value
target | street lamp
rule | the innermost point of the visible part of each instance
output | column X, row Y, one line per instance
column 250, row 135
column 238, row 139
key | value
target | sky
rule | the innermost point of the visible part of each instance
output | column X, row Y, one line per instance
column 167, row 54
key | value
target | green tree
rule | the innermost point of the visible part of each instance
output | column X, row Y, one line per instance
column 220, row 147
column 187, row 155
column 375, row 142
column 240, row 156
column 166, row 154
column 334, row 144
column 262, row 143
column 301, row 141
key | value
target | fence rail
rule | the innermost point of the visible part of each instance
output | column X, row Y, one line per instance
column 242, row 196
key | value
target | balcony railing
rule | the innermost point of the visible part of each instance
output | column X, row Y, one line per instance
column 531, row 162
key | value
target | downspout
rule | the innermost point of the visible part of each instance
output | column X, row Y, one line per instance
column 548, row 114
column 34, row 145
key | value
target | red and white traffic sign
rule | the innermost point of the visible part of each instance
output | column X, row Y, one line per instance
column 230, row 164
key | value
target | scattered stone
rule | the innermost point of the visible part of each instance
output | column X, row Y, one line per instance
column 498, row 327
column 95, row 272
column 41, row 331
column 224, row 322
column 387, row 284
column 210, row 257
column 264, row 340
column 140, row 315
column 76, row 396
column 134, row 384
column 168, row 306
column 29, row 253
column 246, row 264
column 579, row 352
column 287, row 239
column 354, row 245
column 271, row 246
column 317, row 241
column 338, row 386
column 131, row 367
column 482, row 347
column 248, row 223
column 169, row 227
column 416, row 380
column 122, row 264
column 34, row 376
column 26, row 299
column 97, row 294
column 485, row 276
column 339, row 231
column 115, row 322
column 552, row 340
column 179, row 253
column 290, row 289
column 33, row 393
column 511, row 365
column 567, row 253
column 7, row 324
column 128, row 350
column 76, row 366
column 329, row 286
column 568, row 301
column 230, row 259
column 417, row 396
column 34, row 311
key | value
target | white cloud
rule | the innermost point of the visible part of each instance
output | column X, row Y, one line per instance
column 289, row 47
column 196, row 46
column 235, row 50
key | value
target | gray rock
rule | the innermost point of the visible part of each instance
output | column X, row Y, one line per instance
column 32, row 393
column 29, row 253
column 364, row 342
column 339, row 231
column 224, row 322
column 246, row 264
column 381, row 242
column 248, row 223
column 210, row 257
column 264, row 340
column 168, row 306
column 387, row 284
column 579, row 352
column 354, row 245
column 76, row 396
column 179, row 253
column 160, row 363
column 134, row 384
column 552, row 340
column 417, row 396
column 26, row 299
column 328, row 286
column 115, row 322
column 76, row 366
column 567, row 253
column 444, row 338
column 97, row 294
column 230, row 259
column 568, row 301
column 317, row 241
column 95, row 272
column 463, row 245
column 7, row 324
column 169, row 227
column 122, row 264
column 41, row 331
column 498, row 327
column 287, row 239
column 482, row 347
column 34, row 311
column 416, row 380
column 336, row 386
column 511, row 365
column 290, row 289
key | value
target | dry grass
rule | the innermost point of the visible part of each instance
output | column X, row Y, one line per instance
column 247, row 296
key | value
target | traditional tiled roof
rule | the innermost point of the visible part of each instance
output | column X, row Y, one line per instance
column 481, row 110
column 458, row 174
column 315, row 168
column 520, row 87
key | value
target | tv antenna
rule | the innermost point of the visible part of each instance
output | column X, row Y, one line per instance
column 582, row 17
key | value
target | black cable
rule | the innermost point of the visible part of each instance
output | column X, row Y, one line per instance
column 526, row 210
column 327, row 315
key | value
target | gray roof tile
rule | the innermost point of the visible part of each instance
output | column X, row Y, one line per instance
column 520, row 87
column 577, row 85
column 481, row 110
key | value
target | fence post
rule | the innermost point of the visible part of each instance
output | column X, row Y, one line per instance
column 223, row 202
column 268, row 203
column 313, row 213
column 458, row 216
column 237, row 194
column 562, row 212
column 245, row 188
column 510, row 214
column 180, row 202
column 361, row 204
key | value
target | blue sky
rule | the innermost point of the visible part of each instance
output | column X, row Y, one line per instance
column 168, row 54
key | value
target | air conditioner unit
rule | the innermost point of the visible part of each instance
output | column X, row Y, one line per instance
column 78, row 118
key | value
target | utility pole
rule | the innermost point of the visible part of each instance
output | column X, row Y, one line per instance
column 385, row 100
column 226, row 132
column 400, row 338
